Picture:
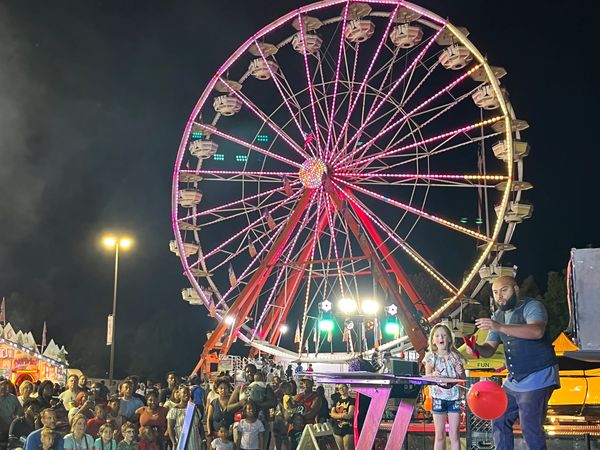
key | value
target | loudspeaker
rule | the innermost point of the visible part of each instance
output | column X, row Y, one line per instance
column 404, row 368
column 584, row 298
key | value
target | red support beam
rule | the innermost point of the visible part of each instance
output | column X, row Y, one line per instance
column 293, row 283
column 413, row 329
column 246, row 299
column 401, row 277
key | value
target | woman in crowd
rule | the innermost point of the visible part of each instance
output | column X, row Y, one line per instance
column 323, row 415
column 77, row 439
column 25, row 391
column 153, row 416
column 217, row 410
column 342, row 415
column 176, row 415
column 45, row 392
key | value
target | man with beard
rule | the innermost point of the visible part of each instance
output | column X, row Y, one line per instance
column 520, row 324
column 34, row 440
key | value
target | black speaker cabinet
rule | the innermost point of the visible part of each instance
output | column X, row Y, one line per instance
column 404, row 368
column 584, row 299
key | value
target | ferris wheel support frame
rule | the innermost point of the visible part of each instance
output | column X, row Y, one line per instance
column 400, row 274
column 281, row 306
column 247, row 298
column 407, row 317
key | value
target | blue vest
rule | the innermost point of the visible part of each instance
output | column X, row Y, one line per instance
column 524, row 356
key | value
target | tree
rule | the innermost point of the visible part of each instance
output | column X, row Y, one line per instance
column 529, row 288
column 555, row 300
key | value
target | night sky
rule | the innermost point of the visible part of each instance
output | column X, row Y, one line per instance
column 94, row 96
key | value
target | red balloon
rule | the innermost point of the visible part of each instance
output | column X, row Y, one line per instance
column 487, row 400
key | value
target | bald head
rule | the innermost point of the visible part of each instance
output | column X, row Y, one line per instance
column 506, row 292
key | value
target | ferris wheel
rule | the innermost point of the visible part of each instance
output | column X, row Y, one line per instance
column 340, row 151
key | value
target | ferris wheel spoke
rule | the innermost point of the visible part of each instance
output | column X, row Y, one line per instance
column 348, row 248
column 288, row 256
column 317, row 136
column 265, row 119
column 337, row 76
column 310, row 268
column 376, row 106
column 450, row 134
column 401, row 243
column 398, row 179
column 363, row 85
column 280, row 89
column 418, row 212
column 234, row 203
column 219, row 173
column 213, row 130
column 439, row 149
column 273, row 250
column 234, row 213
column 405, row 117
column 441, row 110
column 246, row 229
column 333, row 242
column 292, row 97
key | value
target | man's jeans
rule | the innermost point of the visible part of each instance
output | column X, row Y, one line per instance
column 530, row 408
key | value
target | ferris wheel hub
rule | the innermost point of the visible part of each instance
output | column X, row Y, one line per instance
column 312, row 172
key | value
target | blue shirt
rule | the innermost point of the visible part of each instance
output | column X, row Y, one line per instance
column 129, row 407
column 198, row 395
column 34, row 441
column 532, row 312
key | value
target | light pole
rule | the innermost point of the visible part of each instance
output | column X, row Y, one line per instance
column 117, row 243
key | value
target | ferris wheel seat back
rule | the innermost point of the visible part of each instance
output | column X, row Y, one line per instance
column 516, row 212
column 202, row 149
column 312, row 43
column 485, row 97
column 520, row 150
column 455, row 57
column 406, row 36
column 227, row 105
column 190, row 248
column 262, row 69
column 188, row 198
column 358, row 31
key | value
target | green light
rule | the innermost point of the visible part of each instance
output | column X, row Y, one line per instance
column 197, row 135
column 464, row 219
column 360, row 143
column 241, row 158
column 219, row 157
column 326, row 325
column 479, row 221
column 392, row 328
column 262, row 138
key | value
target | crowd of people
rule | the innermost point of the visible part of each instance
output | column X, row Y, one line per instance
column 269, row 410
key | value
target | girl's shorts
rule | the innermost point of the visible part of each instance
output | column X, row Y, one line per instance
column 440, row 406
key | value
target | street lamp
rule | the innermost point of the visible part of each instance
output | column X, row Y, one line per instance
column 116, row 242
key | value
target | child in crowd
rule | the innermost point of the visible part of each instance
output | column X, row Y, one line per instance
column 93, row 425
column 444, row 360
column 128, row 442
column 47, row 438
column 298, row 424
column 148, row 439
column 288, row 403
column 222, row 442
column 105, row 440
column 257, row 390
column 250, row 431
